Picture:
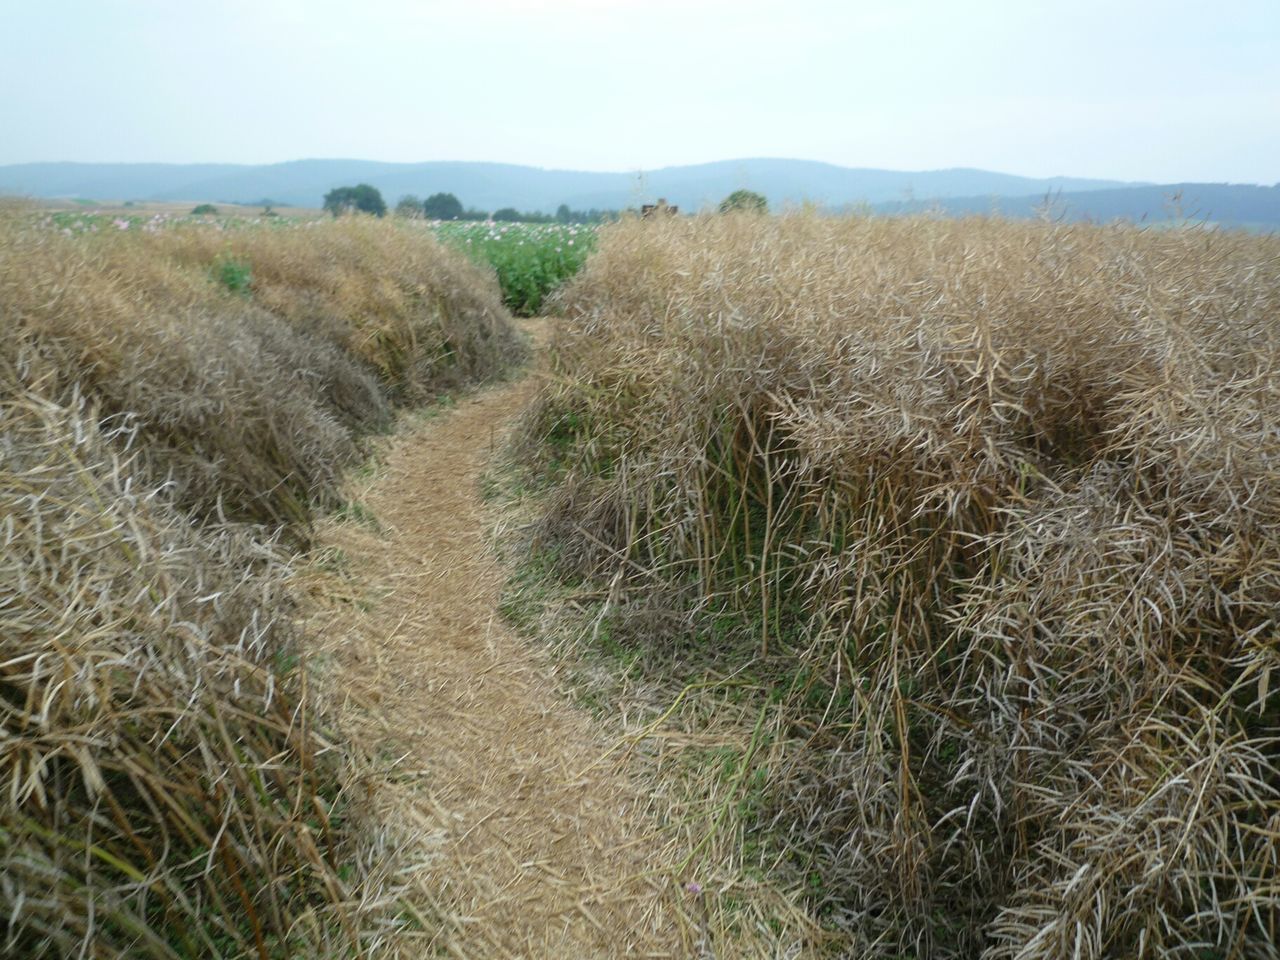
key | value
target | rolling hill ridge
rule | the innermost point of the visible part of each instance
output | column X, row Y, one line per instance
column 493, row 185
column 490, row 186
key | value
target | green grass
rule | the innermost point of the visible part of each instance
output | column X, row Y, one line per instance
column 233, row 274
column 531, row 259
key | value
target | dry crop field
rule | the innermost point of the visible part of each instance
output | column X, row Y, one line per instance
column 982, row 520
column 931, row 568
column 175, row 406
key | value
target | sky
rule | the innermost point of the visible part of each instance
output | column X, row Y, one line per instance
column 1128, row 89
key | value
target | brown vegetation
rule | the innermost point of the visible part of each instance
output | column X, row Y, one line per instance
column 169, row 404
column 251, row 358
column 991, row 512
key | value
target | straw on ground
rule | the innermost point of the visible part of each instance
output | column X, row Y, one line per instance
column 519, row 842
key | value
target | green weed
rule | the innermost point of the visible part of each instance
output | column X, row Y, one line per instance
column 233, row 274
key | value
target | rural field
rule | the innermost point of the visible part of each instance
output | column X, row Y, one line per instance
column 720, row 586
column 530, row 259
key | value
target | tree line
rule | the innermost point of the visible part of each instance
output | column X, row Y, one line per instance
column 446, row 206
column 364, row 198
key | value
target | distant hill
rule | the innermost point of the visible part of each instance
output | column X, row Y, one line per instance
column 490, row 186
column 1230, row 204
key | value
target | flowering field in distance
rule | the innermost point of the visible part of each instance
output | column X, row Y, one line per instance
column 531, row 259
column 76, row 223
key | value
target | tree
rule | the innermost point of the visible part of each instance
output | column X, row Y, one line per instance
column 409, row 207
column 563, row 213
column 744, row 200
column 507, row 214
column 442, row 206
column 361, row 197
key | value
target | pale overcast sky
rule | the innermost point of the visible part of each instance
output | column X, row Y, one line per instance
column 1131, row 89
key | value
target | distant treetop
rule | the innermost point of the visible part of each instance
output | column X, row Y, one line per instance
column 409, row 206
column 744, row 200
column 360, row 198
column 442, row 206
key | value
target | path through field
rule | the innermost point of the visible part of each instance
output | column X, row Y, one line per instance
column 523, row 843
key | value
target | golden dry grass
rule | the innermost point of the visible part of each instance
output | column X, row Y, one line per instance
column 519, row 844
column 249, row 400
column 988, row 516
column 169, row 786
column 526, row 827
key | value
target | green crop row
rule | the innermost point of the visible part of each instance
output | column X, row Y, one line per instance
column 530, row 259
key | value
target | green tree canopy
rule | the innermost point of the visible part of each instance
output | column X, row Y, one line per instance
column 744, row 200
column 508, row 214
column 442, row 206
column 409, row 206
column 361, row 197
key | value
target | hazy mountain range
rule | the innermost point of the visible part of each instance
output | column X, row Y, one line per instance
column 493, row 185
column 1230, row 204
column 489, row 186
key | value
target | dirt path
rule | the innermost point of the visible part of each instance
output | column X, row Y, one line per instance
column 522, row 843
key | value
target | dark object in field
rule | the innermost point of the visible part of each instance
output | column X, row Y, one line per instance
column 661, row 208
